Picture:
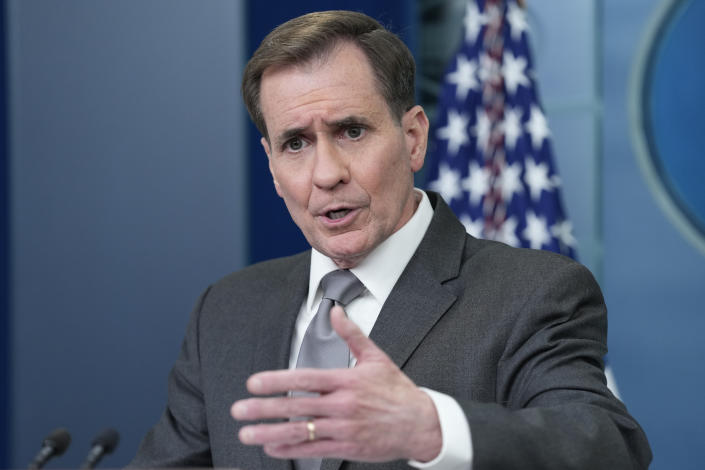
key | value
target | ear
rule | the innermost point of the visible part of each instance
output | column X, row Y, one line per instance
column 415, row 126
column 268, row 151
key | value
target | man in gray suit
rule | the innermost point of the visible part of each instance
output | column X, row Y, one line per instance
column 465, row 353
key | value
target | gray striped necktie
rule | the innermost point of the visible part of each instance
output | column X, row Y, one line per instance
column 322, row 348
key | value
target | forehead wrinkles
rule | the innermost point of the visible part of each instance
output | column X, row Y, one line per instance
column 322, row 107
column 343, row 73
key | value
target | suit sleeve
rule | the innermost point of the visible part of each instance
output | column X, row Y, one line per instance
column 180, row 437
column 553, row 408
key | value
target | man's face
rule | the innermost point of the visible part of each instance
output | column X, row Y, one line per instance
column 342, row 163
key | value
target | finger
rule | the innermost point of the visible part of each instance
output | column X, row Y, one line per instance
column 307, row 380
column 360, row 345
column 291, row 432
column 294, row 432
column 283, row 407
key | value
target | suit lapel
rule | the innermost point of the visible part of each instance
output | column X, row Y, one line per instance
column 277, row 318
column 413, row 307
column 419, row 298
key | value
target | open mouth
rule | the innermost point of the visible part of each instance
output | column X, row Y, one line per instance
column 338, row 214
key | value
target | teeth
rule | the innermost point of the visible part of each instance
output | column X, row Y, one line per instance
column 338, row 214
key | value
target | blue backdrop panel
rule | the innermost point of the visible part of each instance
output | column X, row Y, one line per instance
column 272, row 233
column 654, row 276
column 127, row 201
column 4, row 268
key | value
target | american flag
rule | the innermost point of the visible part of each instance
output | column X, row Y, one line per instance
column 491, row 156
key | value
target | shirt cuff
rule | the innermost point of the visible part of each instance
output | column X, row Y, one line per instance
column 456, row 450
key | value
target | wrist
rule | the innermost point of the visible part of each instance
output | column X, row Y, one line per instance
column 426, row 444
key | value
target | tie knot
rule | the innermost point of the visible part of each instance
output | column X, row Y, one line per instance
column 341, row 286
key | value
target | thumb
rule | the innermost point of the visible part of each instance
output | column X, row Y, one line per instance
column 362, row 347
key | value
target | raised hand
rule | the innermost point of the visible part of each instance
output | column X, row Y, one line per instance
column 372, row 412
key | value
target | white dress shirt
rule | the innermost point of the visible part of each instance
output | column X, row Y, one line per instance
column 379, row 272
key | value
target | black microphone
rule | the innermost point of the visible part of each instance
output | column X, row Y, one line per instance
column 103, row 444
column 54, row 444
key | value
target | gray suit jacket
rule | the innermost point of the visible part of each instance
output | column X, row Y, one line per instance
column 515, row 336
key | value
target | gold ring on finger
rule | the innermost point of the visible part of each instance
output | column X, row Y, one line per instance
column 311, row 430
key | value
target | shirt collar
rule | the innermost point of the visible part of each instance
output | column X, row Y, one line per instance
column 381, row 269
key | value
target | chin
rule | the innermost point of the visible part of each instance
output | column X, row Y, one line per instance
column 345, row 257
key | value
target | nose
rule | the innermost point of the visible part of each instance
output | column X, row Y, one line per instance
column 331, row 165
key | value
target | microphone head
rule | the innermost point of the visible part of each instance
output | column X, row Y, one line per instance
column 59, row 439
column 108, row 439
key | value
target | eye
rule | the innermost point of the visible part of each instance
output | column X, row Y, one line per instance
column 354, row 132
column 295, row 144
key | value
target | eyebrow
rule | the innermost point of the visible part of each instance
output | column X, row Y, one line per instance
column 347, row 121
column 350, row 121
column 289, row 134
